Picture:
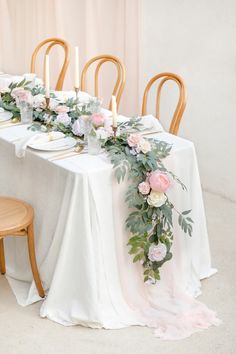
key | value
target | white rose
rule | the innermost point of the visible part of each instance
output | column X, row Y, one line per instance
column 145, row 146
column 39, row 101
column 157, row 253
column 63, row 118
column 102, row 133
column 156, row 199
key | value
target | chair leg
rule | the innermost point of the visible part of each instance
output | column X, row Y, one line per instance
column 2, row 257
column 30, row 237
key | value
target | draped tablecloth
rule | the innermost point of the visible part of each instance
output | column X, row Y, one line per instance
column 81, row 243
column 6, row 79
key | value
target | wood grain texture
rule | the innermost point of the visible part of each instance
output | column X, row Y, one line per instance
column 120, row 81
column 178, row 114
column 51, row 43
column 16, row 219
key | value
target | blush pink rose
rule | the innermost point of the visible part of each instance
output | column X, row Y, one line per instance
column 159, row 181
column 144, row 188
column 62, row 109
column 22, row 95
column 133, row 140
column 98, row 119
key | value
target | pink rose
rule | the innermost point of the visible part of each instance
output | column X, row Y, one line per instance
column 159, row 181
column 98, row 119
column 62, row 109
column 133, row 140
column 144, row 188
column 22, row 95
column 157, row 253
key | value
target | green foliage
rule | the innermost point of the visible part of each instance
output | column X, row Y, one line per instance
column 186, row 222
column 147, row 225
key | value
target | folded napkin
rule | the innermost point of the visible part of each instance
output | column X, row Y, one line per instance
column 151, row 123
column 148, row 122
column 37, row 139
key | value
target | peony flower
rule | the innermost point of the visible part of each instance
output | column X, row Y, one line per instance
column 133, row 140
column 145, row 146
column 39, row 101
column 61, row 109
column 156, row 199
column 63, row 118
column 144, row 188
column 98, row 119
column 157, row 253
column 102, row 133
column 159, row 181
column 77, row 128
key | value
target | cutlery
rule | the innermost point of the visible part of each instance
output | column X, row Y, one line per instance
column 153, row 132
column 78, row 150
column 8, row 125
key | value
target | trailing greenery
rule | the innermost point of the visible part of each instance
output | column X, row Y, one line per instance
column 148, row 225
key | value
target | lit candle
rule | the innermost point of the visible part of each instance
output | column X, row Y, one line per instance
column 47, row 78
column 114, row 111
column 76, row 67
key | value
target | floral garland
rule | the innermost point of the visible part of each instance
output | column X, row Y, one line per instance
column 69, row 116
column 138, row 158
column 150, row 222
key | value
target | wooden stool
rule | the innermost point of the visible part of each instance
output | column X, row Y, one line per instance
column 16, row 219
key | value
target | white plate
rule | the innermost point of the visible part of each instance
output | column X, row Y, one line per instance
column 54, row 145
column 4, row 116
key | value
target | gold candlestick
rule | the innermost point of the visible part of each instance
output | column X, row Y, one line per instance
column 115, row 132
column 47, row 102
column 77, row 94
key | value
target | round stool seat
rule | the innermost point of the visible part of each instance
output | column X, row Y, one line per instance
column 14, row 215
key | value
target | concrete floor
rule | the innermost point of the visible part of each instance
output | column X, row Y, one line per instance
column 22, row 331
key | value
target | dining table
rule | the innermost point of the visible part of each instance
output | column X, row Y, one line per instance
column 81, row 241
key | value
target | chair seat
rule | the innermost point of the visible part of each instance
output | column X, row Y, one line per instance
column 14, row 215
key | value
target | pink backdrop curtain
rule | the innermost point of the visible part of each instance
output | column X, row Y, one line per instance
column 96, row 26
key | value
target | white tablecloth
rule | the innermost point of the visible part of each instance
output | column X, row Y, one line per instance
column 81, row 243
column 6, row 79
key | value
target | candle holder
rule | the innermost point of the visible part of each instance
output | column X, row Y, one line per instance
column 47, row 102
column 77, row 94
column 115, row 132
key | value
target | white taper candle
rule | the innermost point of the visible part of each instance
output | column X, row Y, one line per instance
column 114, row 111
column 76, row 67
column 47, row 76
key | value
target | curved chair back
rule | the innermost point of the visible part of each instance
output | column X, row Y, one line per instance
column 174, row 127
column 51, row 43
column 120, row 81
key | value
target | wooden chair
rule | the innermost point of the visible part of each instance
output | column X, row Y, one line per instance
column 16, row 219
column 120, row 82
column 174, row 127
column 51, row 43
